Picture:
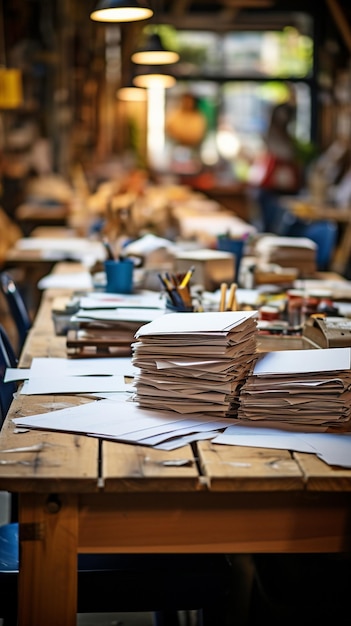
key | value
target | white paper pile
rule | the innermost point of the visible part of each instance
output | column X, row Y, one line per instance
column 301, row 390
column 194, row 362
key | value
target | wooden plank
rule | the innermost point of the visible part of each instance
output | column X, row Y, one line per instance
column 322, row 477
column 215, row 522
column 42, row 460
column 137, row 468
column 341, row 22
column 240, row 468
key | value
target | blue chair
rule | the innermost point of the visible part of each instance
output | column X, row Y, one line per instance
column 323, row 232
column 17, row 307
column 7, row 390
column 7, row 359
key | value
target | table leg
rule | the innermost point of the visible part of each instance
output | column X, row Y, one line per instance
column 48, row 560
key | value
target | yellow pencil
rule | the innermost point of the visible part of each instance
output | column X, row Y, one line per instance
column 232, row 304
column 224, row 287
column 187, row 277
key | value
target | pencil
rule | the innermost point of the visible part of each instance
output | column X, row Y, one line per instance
column 232, row 304
column 187, row 277
column 224, row 287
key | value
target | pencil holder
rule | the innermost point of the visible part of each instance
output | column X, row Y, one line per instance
column 119, row 276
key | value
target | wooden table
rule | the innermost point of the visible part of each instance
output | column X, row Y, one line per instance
column 307, row 209
column 79, row 494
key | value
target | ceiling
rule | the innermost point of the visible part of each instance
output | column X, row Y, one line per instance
column 26, row 15
column 241, row 13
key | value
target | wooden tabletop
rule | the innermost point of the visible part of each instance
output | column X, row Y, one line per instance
column 61, row 462
column 82, row 494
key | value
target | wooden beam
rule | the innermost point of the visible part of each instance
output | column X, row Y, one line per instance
column 341, row 21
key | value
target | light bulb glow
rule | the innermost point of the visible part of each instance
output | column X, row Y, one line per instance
column 123, row 14
column 154, row 80
column 155, row 57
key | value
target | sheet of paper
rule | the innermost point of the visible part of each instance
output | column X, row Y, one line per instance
column 293, row 361
column 119, row 315
column 195, row 323
column 333, row 449
column 74, row 281
column 16, row 373
column 57, row 366
column 106, row 418
column 73, row 384
column 144, row 300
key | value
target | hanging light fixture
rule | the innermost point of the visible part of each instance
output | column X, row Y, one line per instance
column 154, row 53
column 11, row 87
column 131, row 93
column 121, row 11
column 154, row 76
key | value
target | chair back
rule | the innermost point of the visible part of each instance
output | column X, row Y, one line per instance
column 17, row 307
column 7, row 359
column 324, row 234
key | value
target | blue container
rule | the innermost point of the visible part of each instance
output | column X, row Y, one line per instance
column 119, row 276
column 236, row 247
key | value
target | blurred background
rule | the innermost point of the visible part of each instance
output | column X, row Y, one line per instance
column 236, row 57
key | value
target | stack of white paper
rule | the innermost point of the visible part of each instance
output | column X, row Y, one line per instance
column 309, row 389
column 194, row 362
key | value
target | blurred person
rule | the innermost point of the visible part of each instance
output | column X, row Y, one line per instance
column 186, row 127
column 278, row 170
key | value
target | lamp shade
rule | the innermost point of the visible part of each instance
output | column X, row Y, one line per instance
column 11, row 91
column 131, row 93
column 154, row 53
column 121, row 11
column 154, row 78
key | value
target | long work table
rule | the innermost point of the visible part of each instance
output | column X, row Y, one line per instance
column 80, row 494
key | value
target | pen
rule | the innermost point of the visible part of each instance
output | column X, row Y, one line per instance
column 107, row 246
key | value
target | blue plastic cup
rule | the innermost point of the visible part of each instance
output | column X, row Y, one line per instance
column 119, row 276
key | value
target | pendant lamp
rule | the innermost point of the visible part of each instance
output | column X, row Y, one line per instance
column 154, row 53
column 121, row 11
column 11, row 91
column 131, row 93
column 154, row 76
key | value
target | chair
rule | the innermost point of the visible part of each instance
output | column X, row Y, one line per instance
column 161, row 584
column 7, row 390
column 7, row 359
column 17, row 307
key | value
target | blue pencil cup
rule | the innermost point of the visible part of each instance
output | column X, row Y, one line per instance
column 236, row 247
column 119, row 276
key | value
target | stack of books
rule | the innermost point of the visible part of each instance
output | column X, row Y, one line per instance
column 194, row 362
column 289, row 252
column 304, row 391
